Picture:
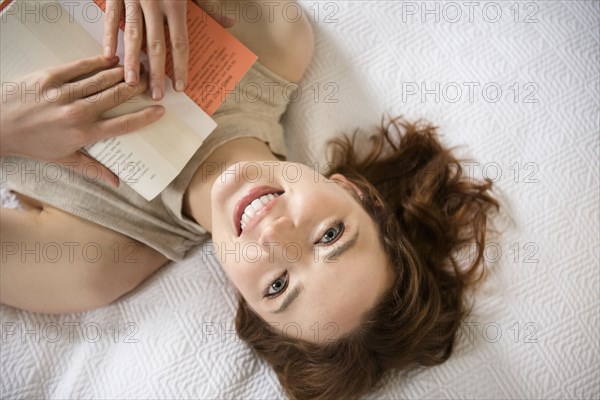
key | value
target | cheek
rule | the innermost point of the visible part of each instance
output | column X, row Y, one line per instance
column 244, row 276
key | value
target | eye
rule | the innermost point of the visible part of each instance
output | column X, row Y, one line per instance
column 277, row 287
column 332, row 234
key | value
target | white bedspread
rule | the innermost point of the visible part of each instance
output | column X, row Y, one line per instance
column 523, row 97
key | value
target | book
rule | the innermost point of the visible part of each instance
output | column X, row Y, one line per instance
column 38, row 34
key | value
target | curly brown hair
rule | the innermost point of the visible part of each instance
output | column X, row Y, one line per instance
column 427, row 213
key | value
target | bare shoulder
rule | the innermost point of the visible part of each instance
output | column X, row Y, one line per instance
column 278, row 32
column 293, row 41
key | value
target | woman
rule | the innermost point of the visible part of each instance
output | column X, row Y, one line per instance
column 341, row 277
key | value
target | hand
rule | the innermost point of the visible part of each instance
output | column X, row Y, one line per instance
column 153, row 13
column 61, row 111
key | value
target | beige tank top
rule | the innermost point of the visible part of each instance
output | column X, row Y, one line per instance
column 254, row 109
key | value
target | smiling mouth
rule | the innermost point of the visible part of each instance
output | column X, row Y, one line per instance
column 253, row 208
column 253, row 205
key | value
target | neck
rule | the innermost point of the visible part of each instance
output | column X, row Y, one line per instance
column 197, row 198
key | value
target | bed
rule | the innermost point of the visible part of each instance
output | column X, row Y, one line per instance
column 516, row 85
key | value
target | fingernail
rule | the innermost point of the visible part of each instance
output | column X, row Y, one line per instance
column 107, row 51
column 112, row 180
column 156, row 93
column 131, row 77
column 179, row 86
column 160, row 111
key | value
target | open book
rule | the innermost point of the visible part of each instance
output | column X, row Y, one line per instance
column 37, row 34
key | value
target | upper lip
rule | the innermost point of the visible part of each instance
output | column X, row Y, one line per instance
column 241, row 205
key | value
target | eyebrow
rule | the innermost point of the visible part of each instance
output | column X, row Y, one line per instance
column 289, row 299
column 298, row 289
column 339, row 250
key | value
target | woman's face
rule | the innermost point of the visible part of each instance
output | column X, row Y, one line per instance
column 305, row 256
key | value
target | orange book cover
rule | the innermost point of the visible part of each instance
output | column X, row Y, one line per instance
column 217, row 61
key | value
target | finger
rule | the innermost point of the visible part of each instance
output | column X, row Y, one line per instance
column 128, row 123
column 90, row 168
column 178, row 36
column 97, row 83
column 116, row 95
column 134, row 32
column 156, row 49
column 112, row 20
column 226, row 22
column 70, row 71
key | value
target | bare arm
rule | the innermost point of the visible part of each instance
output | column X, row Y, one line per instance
column 54, row 262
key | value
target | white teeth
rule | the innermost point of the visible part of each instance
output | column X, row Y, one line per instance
column 256, row 205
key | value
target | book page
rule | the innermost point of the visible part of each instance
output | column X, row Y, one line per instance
column 36, row 35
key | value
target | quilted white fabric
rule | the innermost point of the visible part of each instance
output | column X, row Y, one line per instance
column 518, row 84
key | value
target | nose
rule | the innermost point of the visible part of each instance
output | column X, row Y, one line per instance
column 279, row 231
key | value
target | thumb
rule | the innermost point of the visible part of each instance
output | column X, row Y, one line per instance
column 90, row 168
